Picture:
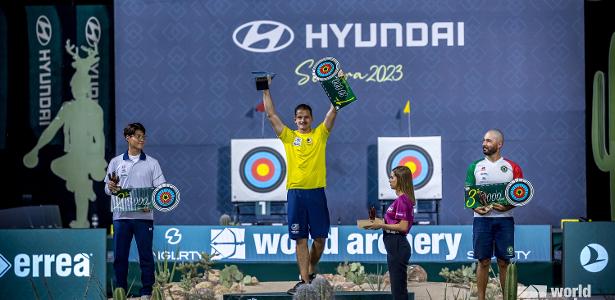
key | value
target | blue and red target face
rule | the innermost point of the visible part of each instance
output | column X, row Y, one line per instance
column 519, row 192
column 325, row 68
column 416, row 159
column 165, row 197
column 262, row 169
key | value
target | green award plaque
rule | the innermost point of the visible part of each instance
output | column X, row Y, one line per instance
column 518, row 192
column 164, row 197
column 337, row 89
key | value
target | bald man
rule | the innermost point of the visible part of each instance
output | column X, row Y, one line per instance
column 494, row 226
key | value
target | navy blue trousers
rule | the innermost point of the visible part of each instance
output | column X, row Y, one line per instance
column 398, row 254
column 143, row 232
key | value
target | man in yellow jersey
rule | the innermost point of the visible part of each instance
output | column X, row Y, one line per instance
column 308, row 214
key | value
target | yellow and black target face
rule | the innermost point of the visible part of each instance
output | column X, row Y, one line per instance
column 519, row 192
column 262, row 169
column 165, row 197
column 416, row 159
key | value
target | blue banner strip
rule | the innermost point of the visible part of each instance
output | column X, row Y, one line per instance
column 345, row 243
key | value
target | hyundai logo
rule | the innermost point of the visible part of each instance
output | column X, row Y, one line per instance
column 43, row 30
column 263, row 36
column 92, row 31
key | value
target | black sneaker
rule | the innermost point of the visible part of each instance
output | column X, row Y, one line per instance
column 293, row 290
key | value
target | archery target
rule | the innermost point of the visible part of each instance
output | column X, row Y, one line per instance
column 325, row 68
column 165, row 197
column 519, row 192
column 262, row 169
column 416, row 159
column 258, row 170
column 422, row 155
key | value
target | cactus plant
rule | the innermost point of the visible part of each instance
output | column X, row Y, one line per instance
column 510, row 286
column 157, row 293
column 306, row 292
column 463, row 275
column 353, row 272
column 247, row 280
column 119, row 294
column 603, row 157
column 225, row 220
column 323, row 287
column 229, row 275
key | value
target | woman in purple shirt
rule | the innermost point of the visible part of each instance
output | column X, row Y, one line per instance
column 398, row 220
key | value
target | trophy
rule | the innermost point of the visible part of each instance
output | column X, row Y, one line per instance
column 113, row 177
column 337, row 89
column 371, row 219
column 517, row 192
column 262, row 80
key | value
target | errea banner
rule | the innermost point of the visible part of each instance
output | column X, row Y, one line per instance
column 345, row 243
column 60, row 263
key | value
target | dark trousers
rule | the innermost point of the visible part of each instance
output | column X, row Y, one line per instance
column 143, row 232
column 398, row 254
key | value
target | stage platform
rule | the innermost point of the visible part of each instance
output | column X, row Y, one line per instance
column 382, row 295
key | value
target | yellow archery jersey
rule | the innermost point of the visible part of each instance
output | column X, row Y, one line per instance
column 305, row 155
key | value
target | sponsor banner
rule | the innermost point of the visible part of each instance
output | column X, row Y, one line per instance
column 258, row 170
column 345, row 243
column 464, row 65
column 33, row 262
column 3, row 78
column 588, row 256
column 45, row 62
column 421, row 154
column 94, row 31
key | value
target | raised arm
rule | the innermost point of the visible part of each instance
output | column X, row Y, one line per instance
column 332, row 113
column 276, row 123
column 330, row 118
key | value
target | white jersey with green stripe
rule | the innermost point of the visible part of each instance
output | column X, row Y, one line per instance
column 484, row 171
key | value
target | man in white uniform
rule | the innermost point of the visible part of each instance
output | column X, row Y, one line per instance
column 494, row 226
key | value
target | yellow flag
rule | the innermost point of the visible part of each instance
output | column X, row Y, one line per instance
column 407, row 107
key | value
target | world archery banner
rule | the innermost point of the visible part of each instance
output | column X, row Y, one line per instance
column 271, row 244
column 421, row 154
column 258, row 170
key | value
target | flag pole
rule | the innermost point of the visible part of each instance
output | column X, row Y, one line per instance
column 409, row 127
column 407, row 112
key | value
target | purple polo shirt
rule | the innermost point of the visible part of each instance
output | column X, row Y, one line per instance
column 401, row 209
